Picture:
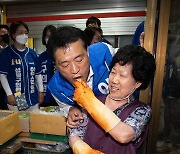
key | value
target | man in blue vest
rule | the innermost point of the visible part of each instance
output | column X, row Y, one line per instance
column 74, row 60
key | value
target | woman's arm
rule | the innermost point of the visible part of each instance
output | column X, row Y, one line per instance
column 80, row 147
column 5, row 84
column 123, row 132
column 40, row 88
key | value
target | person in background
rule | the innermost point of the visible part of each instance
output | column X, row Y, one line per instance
column 171, row 93
column 4, row 42
column 138, row 39
column 117, row 122
column 48, row 67
column 20, row 71
column 4, row 36
column 95, row 22
column 93, row 35
column 68, row 48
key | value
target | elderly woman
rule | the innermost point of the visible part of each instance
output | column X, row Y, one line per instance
column 118, row 122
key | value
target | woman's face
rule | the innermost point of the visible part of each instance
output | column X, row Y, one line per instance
column 20, row 31
column 121, row 81
column 48, row 34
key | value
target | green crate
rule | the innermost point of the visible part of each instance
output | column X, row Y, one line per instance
column 8, row 143
column 30, row 149
column 49, row 137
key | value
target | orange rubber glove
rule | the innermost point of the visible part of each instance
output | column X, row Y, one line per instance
column 84, row 96
column 80, row 147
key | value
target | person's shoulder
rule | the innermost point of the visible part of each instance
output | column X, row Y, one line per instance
column 98, row 48
column 106, row 41
column 97, row 44
column 43, row 54
column 6, row 50
column 32, row 52
column 56, row 77
column 102, row 49
column 57, row 82
column 142, row 105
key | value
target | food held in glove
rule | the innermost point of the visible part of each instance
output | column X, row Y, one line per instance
column 84, row 96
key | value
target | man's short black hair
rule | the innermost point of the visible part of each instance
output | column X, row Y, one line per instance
column 63, row 37
column 4, row 26
column 92, row 20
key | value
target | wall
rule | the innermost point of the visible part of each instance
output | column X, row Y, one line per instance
column 118, row 17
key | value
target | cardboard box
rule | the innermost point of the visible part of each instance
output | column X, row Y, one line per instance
column 47, row 123
column 24, row 119
column 9, row 125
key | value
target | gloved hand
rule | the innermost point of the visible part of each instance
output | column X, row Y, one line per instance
column 84, row 96
column 80, row 147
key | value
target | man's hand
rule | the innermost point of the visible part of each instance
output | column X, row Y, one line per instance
column 11, row 100
column 74, row 116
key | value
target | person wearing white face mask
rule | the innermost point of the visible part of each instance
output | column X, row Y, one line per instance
column 22, row 39
column 48, row 67
column 4, row 42
column 20, row 71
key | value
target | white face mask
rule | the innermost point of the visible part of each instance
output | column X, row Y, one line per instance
column 22, row 39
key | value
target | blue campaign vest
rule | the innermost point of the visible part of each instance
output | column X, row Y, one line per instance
column 21, row 68
column 47, row 73
column 100, row 58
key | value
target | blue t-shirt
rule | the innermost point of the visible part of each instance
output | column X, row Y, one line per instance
column 137, row 33
column 136, row 41
column 47, row 73
column 21, row 68
column 100, row 58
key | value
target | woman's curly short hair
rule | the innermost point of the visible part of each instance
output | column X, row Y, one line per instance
column 143, row 63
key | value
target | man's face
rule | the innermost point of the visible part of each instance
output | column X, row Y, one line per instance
column 93, row 25
column 72, row 61
column 3, row 31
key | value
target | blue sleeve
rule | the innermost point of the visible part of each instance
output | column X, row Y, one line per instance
column 139, row 30
column 100, row 53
